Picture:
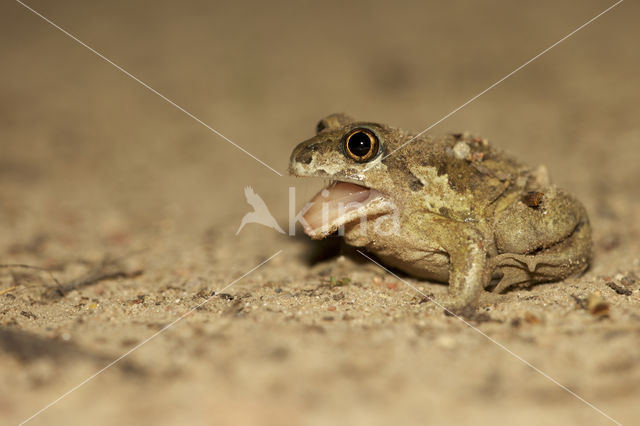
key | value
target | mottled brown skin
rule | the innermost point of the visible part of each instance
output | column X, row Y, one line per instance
column 469, row 214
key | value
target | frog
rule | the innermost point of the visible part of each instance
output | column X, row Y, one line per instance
column 452, row 209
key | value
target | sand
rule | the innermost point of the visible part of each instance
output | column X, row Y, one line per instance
column 111, row 189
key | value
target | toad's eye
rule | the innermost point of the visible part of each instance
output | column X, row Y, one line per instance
column 361, row 145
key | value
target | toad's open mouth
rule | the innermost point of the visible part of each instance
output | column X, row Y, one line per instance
column 341, row 203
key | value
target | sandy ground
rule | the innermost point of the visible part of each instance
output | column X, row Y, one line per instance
column 102, row 182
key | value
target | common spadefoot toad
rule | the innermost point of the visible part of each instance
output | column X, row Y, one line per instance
column 451, row 209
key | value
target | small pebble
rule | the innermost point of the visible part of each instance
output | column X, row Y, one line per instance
column 461, row 150
column 596, row 305
column 531, row 318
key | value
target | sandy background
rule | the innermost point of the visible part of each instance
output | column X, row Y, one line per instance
column 101, row 178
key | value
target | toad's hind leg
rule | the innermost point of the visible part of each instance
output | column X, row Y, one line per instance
column 541, row 260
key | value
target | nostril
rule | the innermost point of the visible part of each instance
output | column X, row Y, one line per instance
column 304, row 157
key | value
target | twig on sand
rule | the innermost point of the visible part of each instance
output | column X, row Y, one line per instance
column 7, row 290
column 108, row 269
column 105, row 271
column 23, row 266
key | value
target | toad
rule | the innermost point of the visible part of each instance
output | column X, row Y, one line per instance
column 452, row 209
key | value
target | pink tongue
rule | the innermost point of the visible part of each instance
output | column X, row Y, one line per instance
column 342, row 197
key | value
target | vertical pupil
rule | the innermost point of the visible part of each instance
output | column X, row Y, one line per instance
column 360, row 144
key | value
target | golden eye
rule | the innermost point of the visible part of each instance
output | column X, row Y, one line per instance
column 361, row 145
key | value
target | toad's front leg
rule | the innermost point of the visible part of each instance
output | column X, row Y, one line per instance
column 468, row 270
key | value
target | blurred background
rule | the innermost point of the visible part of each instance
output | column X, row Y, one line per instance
column 91, row 162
